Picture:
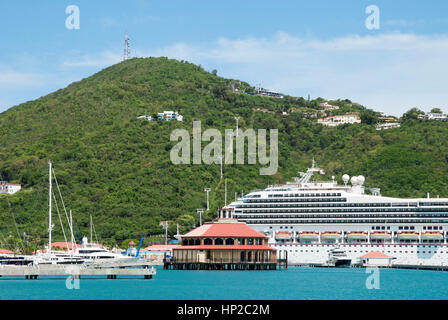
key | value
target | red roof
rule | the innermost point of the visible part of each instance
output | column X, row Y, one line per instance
column 375, row 254
column 62, row 244
column 224, row 229
column 5, row 251
column 224, row 247
column 132, row 243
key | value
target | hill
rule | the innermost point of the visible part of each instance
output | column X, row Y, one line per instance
column 117, row 168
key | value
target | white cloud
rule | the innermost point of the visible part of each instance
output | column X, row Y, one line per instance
column 104, row 59
column 403, row 23
column 387, row 72
column 10, row 78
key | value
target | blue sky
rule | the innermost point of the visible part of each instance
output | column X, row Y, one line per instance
column 321, row 48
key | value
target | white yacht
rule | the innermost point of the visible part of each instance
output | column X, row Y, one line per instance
column 338, row 258
column 94, row 252
column 306, row 219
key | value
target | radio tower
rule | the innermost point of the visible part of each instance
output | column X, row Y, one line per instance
column 127, row 47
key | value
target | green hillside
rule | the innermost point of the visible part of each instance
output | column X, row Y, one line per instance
column 117, row 168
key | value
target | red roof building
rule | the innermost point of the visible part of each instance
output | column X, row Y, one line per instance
column 376, row 259
column 5, row 251
column 224, row 241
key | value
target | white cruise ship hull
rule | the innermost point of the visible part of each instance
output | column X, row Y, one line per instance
column 402, row 254
column 305, row 219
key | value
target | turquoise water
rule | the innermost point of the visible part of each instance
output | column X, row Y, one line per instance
column 294, row 283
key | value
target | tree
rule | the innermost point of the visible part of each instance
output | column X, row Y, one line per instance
column 369, row 117
column 436, row 110
column 412, row 114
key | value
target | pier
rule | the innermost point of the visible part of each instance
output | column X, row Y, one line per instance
column 122, row 263
column 171, row 265
column 76, row 272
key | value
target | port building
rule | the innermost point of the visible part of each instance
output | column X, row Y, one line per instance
column 223, row 244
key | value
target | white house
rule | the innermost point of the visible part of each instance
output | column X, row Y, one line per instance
column 169, row 115
column 164, row 116
column 433, row 116
column 9, row 188
column 387, row 125
column 333, row 121
column 328, row 106
column 376, row 259
column 149, row 118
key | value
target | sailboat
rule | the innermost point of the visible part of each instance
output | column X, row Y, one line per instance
column 50, row 257
column 84, row 254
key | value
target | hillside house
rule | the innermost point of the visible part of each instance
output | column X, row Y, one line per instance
column 9, row 188
column 169, row 115
column 433, row 116
column 337, row 120
column 328, row 107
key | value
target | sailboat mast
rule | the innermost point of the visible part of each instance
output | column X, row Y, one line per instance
column 49, row 209
column 91, row 229
column 71, row 231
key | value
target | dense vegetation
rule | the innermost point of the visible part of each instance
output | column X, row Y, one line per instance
column 117, row 168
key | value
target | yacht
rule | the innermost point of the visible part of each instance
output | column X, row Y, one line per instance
column 338, row 258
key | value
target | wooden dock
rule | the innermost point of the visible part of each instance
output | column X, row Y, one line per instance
column 75, row 271
column 170, row 265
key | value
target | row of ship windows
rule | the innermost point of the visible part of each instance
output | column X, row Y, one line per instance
column 297, row 195
column 387, row 204
column 361, row 246
column 433, row 203
column 296, row 200
column 312, row 205
column 332, row 216
column 420, row 211
column 364, row 251
column 387, row 227
column 408, row 228
column 338, row 221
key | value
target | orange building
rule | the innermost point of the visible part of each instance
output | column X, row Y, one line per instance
column 224, row 244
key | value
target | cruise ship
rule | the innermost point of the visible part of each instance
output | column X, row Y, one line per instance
column 305, row 220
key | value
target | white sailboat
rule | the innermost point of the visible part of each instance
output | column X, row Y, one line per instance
column 50, row 257
column 85, row 254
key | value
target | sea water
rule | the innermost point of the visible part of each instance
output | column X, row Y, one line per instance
column 294, row 283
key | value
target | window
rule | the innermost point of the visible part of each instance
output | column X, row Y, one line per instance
column 219, row 241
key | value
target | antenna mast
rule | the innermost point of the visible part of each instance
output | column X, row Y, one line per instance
column 127, row 47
